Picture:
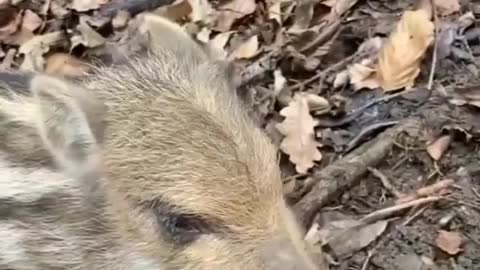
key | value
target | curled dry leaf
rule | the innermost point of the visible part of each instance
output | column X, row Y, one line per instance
column 317, row 103
column 246, row 50
column 341, row 79
column 298, row 127
column 66, row 65
column 449, row 242
column 438, row 147
column 232, row 11
column 399, row 60
column 362, row 74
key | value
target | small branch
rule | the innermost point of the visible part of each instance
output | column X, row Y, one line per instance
column 427, row 191
column 325, row 72
column 367, row 260
column 365, row 131
column 416, row 214
column 386, row 212
column 435, row 47
column 386, row 182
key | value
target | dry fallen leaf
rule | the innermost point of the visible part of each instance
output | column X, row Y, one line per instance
column 10, row 23
column 275, row 12
column 246, row 50
column 85, row 5
column 399, row 60
column 339, row 8
column 176, row 11
column 341, row 79
column 88, row 36
column 202, row 11
column 34, row 49
column 31, row 21
column 66, row 65
column 447, row 7
column 298, row 127
column 449, row 242
column 362, row 75
column 438, row 147
column 344, row 237
column 303, row 16
column 317, row 103
column 353, row 239
column 232, row 11
column 8, row 59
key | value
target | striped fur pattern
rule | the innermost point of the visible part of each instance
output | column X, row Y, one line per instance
column 151, row 165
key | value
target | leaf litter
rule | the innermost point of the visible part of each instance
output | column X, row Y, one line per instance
column 304, row 68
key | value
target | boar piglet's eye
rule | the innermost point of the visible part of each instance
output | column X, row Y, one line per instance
column 181, row 228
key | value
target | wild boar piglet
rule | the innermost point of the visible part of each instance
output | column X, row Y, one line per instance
column 153, row 164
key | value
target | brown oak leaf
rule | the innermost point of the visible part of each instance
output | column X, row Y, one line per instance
column 298, row 127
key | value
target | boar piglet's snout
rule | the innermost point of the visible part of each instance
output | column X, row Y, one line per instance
column 282, row 254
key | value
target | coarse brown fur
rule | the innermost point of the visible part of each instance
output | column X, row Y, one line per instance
column 150, row 165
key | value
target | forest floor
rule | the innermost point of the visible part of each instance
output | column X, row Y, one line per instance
column 374, row 105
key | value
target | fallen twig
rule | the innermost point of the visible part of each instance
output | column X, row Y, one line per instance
column 386, row 212
column 325, row 72
column 365, row 131
column 367, row 260
column 436, row 23
column 386, row 182
column 323, row 123
column 334, row 179
column 426, row 191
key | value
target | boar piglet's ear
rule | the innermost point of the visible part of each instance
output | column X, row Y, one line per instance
column 69, row 121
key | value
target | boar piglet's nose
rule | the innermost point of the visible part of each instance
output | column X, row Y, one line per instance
column 284, row 255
